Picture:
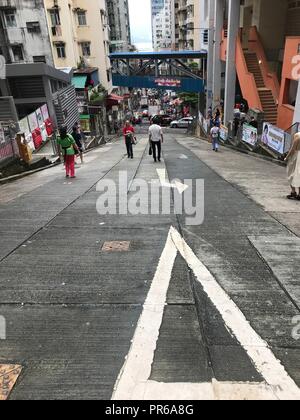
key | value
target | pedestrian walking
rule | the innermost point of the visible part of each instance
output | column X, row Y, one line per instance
column 156, row 139
column 215, row 136
column 77, row 136
column 128, row 132
column 67, row 149
column 293, row 168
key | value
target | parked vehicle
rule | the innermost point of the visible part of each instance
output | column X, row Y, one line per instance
column 183, row 123
column 153, row 110
column 162, row 120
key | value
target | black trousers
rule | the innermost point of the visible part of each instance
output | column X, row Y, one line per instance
column 156, row 145
column 129, row 147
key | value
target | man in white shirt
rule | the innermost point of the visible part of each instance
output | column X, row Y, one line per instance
column 215, row 136
column 156, row 139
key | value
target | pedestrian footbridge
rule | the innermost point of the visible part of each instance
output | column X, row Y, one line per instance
column 160, row 70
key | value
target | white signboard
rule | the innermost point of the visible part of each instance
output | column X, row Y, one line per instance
column 224, row 133
column 274, row 138
column 250, row 134
column 33, row 121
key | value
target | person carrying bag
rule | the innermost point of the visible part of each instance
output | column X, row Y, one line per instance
column 128, row 132
column 67, row 149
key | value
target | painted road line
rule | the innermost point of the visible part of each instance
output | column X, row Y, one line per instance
column 137, row 367
column 257, row 349
column 162, row 174
column 183, row 157
column 133, row 382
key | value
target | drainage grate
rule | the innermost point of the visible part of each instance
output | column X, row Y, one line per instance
column 8, row 378
column 116, row 246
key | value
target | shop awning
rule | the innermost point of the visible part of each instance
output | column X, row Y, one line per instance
column 79, row 81
column 85, row 117
column 116, row 98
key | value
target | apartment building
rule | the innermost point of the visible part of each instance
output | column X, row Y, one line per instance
column 163, row 25
column 187, row 25
column 254, row 52
column 79, row 35
column 24, row 36
column 119, row 25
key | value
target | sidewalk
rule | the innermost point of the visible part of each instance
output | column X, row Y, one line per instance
column 265, row 182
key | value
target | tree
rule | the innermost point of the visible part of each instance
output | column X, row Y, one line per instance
column 189, row 98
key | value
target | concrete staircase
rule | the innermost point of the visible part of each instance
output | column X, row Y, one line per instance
column 266, row 96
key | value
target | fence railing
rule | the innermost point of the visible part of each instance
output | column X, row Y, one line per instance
column 283, row 138
column 8, row 149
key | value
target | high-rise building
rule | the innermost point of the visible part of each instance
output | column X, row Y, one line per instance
column 187, row 25
column 163, row 24
column 24, row 34
column 79, row 35
column 119, row 25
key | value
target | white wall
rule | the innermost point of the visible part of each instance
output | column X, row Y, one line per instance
column 34, row 44
column 203, row 23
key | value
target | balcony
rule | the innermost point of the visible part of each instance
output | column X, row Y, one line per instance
column 8, row 5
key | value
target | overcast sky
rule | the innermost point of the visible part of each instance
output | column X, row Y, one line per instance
column 140, row 19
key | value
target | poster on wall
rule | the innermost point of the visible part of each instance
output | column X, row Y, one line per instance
column 250, row 135
column 39, row 117
column 45, row 112
column 224, row 133
column 2, row 135
column 33, row 122
column 203, row 123
column 274, row 138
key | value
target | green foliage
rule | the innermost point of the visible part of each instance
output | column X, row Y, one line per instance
column 194, row 66
column 189, row 98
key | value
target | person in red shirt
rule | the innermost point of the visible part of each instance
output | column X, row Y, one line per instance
column 128, row 132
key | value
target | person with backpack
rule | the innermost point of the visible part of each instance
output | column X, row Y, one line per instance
column 215, row 136
column 67, row 148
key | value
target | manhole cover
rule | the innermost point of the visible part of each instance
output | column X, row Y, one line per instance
column 116, row 246
column 8, row 377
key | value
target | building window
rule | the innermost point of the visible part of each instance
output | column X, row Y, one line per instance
column 17, row 51
column 33, row 27
column 39, row 59
column 10, row 18
column 61, row 50
column 81, row 16
column 55, row 17
column 86, row 49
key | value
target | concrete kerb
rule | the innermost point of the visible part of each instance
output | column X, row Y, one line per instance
column 25, row 174
column 12, row 178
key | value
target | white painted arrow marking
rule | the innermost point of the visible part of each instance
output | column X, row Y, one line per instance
column 183, row 157
column 162, row 174
column 133, row 382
